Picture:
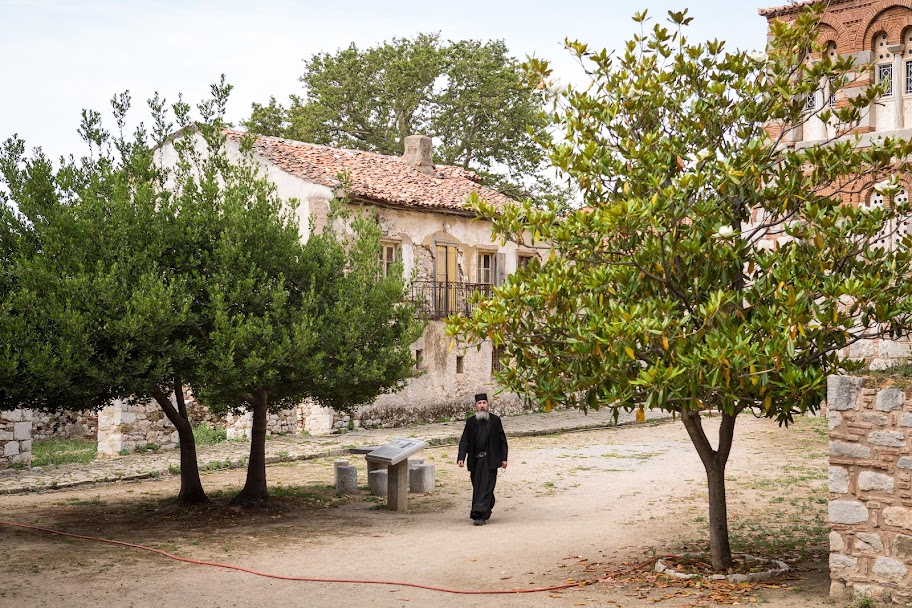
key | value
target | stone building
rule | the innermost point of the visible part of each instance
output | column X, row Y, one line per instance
column 429, row 229
column 876, row 33
column 870, row 506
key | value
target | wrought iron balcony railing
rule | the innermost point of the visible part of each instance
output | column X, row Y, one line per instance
column 438, row 300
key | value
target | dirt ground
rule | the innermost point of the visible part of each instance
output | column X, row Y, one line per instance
column 573, row 507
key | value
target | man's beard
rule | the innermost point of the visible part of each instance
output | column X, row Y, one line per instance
column 481, row 414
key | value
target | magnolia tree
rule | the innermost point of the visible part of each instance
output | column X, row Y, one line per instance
column 714, row 267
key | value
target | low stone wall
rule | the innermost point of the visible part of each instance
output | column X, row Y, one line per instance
column 880, row 354
column 283, row 422
column 65, row 425
column 391, row 413
column 870, row 478
column 15, row 438
column 124, row 427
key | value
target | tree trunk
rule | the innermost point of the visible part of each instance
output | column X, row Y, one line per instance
column 191, row 490
column 714, row 462
column 254, row 491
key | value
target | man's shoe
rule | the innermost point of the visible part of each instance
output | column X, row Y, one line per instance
column 479, row 522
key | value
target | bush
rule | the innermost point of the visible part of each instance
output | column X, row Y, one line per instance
column 206, row 434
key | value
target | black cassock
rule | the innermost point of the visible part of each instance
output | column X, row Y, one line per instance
column 484, row 447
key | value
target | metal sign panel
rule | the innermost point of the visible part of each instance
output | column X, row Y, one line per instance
column 396, row 451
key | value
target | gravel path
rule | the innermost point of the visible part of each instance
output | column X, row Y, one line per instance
column 231, row 454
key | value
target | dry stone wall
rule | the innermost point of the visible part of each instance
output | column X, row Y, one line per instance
column 15, row 438
column 64, row 425
column 870, row 482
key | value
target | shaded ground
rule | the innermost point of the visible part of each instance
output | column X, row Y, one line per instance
column 577, row 506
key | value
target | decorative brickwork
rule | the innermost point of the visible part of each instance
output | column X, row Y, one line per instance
column 870, row 479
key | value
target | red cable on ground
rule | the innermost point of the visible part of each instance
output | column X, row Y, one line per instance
column 292, row 578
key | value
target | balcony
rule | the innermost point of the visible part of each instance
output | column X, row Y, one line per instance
column 437, row 300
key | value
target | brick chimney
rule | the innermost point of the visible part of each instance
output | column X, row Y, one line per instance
column 419, row 153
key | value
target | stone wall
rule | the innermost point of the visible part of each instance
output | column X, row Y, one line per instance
column 124, row 427
column 15, row 438
column 870, row 478
column 65, row 425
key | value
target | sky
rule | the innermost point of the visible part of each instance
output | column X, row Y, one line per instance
column 62, row 56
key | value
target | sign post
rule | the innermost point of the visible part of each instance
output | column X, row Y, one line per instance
column 395, row 456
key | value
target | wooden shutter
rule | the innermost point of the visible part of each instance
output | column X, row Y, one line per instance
column 500, row 268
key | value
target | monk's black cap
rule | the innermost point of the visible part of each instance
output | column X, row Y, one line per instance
column 481, row 397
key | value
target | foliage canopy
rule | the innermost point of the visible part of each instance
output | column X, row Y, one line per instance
column 715, row 267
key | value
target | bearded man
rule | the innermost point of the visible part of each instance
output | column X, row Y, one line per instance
column 483, row 448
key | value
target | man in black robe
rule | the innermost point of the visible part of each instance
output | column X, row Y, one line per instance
column 483, row 448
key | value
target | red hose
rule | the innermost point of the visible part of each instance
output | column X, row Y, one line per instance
column 293, row 578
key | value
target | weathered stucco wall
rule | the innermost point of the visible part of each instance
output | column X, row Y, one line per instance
column 441, row 391
column 870, row 509
column 15, row 438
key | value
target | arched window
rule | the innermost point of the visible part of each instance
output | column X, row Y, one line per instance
column 907, row 64
column 902, row 221
column 884, row 62
column 895, row 229
column 831, row 54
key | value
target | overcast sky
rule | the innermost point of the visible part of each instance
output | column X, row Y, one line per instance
column 60, row 56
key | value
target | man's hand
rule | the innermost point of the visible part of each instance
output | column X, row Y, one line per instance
column 503, row 465
column 460, row 462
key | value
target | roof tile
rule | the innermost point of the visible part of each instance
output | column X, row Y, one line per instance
column 378, row 177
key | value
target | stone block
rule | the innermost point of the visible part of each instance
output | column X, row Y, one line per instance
column 834, row 419
column 905, row 419
column 868, row 543
column 25, row 446
column 902, row 547
column 905, row 462
column 22, row 431
column 6, row 435
column 890, row 568
column 893, row 349
column 889, row 399
column 874, row 419
column 836, row 542
column 838, row 589
column 11, row 448
column 346, row 479
column 843, row 562
column 839, row 480
column 870, row 481
column 11, row 415
column 880, row 364
column 847, row 512
column 860, row 591
column 843, row 392
column 377, row 482
column 863, row 349
column 27, row 415
column 421, row 478
column 898, row 517
column 892, row 439
column 849, row 450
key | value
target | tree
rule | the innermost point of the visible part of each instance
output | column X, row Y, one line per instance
column 469, row 94
column 293, row 321
column 715, row 268
column 109, row 259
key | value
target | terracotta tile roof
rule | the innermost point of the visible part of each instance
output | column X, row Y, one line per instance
column 377, row 177
column 785, row 9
